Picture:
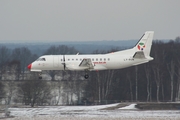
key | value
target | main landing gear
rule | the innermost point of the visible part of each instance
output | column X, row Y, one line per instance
column 40, row 76
column 86, row 76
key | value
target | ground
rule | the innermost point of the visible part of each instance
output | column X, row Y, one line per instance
column 100, row 112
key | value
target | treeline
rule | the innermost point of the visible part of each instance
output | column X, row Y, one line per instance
column 158, row 80
column 15, row 61
column 41, row 92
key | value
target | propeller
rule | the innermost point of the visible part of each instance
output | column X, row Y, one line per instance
column 64, row 62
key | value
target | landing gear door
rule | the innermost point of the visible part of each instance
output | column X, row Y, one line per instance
column 56, row 61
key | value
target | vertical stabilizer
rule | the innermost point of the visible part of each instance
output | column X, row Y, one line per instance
column 144, row 44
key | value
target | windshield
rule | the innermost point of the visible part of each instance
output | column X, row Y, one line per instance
column 41, row 59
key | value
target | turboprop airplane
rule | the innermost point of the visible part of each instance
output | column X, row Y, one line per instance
column 139, row 54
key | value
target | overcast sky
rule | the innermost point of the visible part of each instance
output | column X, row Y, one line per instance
column 86, row 20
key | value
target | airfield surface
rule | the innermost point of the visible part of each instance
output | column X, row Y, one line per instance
column 99, row 112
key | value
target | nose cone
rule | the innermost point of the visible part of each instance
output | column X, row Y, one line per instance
column 29, row 66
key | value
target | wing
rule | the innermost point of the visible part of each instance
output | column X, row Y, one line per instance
column 86, row 62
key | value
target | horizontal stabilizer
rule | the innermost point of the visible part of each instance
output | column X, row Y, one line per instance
column 140, row 63
column 139, row 55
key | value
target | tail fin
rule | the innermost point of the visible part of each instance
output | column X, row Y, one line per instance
column 144, row 44
column 142, row 48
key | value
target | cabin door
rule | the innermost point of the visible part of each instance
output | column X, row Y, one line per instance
column 56, row 61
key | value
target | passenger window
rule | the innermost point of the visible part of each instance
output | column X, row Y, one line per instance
column 104, row 59
column 96, row 59
column 92, row 59
column 108, row 59
column 100, row 59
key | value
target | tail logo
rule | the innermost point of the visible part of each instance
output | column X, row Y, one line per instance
column 141, row 46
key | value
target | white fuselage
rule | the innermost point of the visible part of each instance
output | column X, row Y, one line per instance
column 100, row 62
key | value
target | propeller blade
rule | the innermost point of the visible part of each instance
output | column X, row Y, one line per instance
column 64, row 62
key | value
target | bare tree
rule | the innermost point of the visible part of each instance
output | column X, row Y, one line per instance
column 107, row 83
column 178, row 88
column 158, row 68
column 23, row 55
column 171, row 69
column 157, row 75
column 74, row 85
column 178, row 82
column 11, row 89
column 104, row 80
column 148, row 77
column 136, row 78
column 14, row 69
column 4, row 58
column 35, row 91
column 2, row 91
column 130, row 85
column 99, row 86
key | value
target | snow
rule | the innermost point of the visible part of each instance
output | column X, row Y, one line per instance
column 130, row 107
column 90, row 113
column 52, row 110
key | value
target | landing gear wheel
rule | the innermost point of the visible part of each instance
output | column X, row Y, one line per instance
column 40, row 76
column 86, row 76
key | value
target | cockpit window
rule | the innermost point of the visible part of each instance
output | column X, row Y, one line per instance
column 41, row 59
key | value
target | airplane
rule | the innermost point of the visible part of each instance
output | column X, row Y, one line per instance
column 139, row 54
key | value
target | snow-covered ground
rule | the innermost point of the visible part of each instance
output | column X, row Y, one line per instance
column 130, row 107
column 90, row 113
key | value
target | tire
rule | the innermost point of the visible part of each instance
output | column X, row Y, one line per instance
column 86, row 76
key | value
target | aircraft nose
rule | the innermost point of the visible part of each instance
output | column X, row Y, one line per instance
column 29, row 66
